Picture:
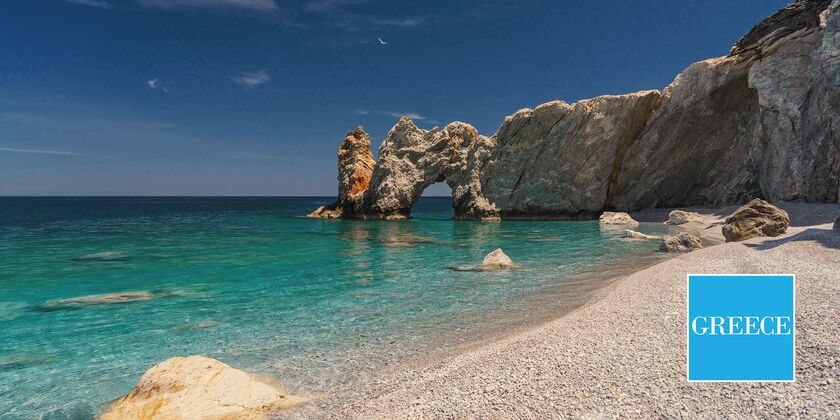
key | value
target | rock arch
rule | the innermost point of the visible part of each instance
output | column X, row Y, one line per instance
column 411, row 159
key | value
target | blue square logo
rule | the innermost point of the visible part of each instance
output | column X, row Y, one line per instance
column 741, row 327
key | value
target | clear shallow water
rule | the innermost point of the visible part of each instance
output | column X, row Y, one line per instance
column 319, row 304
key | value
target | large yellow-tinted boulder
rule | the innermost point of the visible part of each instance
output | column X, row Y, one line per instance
column 757, row 218
column 199, row 387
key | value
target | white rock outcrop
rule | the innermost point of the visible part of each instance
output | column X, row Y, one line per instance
column 199, row 387
column 759, row 122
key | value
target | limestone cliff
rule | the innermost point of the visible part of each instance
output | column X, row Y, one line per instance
column 760, row 122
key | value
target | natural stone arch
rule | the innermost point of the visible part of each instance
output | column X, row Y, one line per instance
column 411, row 159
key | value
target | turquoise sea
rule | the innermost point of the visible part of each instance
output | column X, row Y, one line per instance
column 321, row 305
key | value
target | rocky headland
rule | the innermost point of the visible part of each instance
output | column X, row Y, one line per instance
column 759, row 122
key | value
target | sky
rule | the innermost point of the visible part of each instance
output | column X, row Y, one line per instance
column 253, row 97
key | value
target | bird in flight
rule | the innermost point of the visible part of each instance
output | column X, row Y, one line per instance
column 382, row 42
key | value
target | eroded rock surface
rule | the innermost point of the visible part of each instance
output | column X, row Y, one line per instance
column 757, row 218
column 759, row 122
column 199, row 387
column 355, row 168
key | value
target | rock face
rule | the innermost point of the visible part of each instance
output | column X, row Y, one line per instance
column 683, row 242
column 757, row 218
column 355, row 168
column 614, row 218
column 679, row 217
column 199, row 387
column 759, row 122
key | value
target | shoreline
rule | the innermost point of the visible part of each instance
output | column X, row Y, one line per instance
column 545, row 365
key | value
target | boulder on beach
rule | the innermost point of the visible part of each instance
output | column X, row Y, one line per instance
column 82, row 301
column 198, row 387
column 679, row 217
column 617, row 218
column 632, row 234
column 757, row 218
column 683, row 242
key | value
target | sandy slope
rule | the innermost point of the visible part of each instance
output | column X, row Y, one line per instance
column 624, row 354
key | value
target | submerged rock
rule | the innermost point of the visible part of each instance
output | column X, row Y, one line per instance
column 24, row 360
column 679, row 217
column 617, row 218
column 82, row 301
column 199, row 387
column 103, row 256
column 757, row 218
column 683, row 242
column 632, row 234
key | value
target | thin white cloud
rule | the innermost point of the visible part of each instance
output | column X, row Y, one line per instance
column 258, row 5
column 92, row 3
column 412, row 115
column 39, row 151
column 252, row 79
column 339, row 13
column 153, row 84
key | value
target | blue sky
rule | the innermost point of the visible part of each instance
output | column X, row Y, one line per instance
column 253, row 97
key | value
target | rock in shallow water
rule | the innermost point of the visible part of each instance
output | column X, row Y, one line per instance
column 683, row 242
column 494, row 261
column 757, row 218
column 497, row 259
column 199, row 387
column 617, row 218
column 82, row 301
column 632, row 234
